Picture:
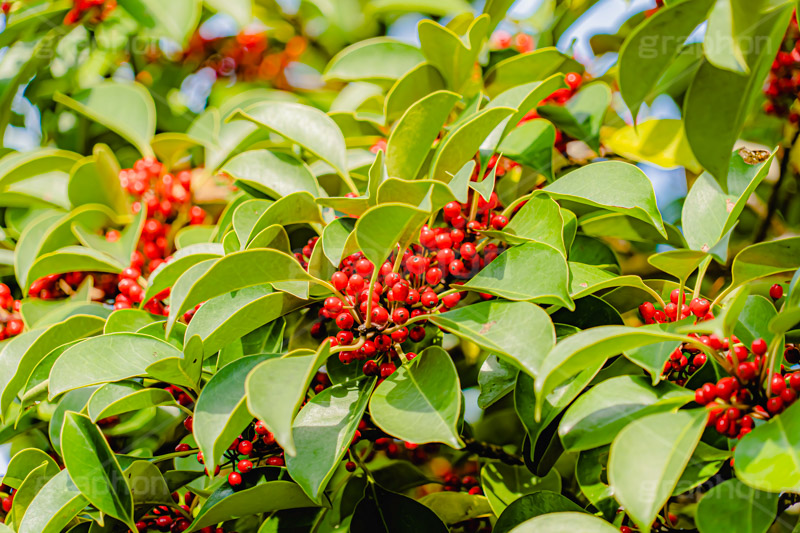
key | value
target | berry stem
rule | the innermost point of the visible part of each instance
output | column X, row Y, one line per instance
column 375, row 273
column 772, row 203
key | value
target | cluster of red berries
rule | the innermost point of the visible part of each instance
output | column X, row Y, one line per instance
column 172, row 519
column 665, row 524
column 784, row 78
column 304, row 255
column 95, row 10
column 11, row 323
column 6, row 500
column 249, row 55
column 672, row 312
column 521, row 42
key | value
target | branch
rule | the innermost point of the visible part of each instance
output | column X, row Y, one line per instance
column 491, row 451
column 773, row 198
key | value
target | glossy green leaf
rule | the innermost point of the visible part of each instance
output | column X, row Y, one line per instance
column 591, row 476
column 657, row 141
column 107, row 358
column 611, row 185
column 275, row 174
column 380, row 229
column 382, row 511
column 587, row 347
column 533, row 505
column 461, row 144
column 235, row 271
column 123, row 397
column 503, row 484
column 496, row 378
column 767, row 458
column 567, row 522
column 647, row 459
column 653, row 45
column 525, row 68
column 718, row 100
column 221, row 411
column 54, row 506
column 322, row 432
column 414, row 85
column 765, row 259
column 29, row 488
column 588, row 279
column 98, row 182
column 508, row 275
column 135, row 121
column 754, row 319
column 519, row 331
column 277, row 388
column 713, row 207
column 455, row 507
column 531, row 144
column 18, row 359
column 22, row 463
column 265, row 497
column 582, row 115
column 147, row 484
column 75, row 401
column 94, row 468
column 597, row 416
column 377, row 59
column 304, row 125
column 453, row 56
column 438, row 7
column 294, row 208
column 72, row 259
column 421, row 401
column 734, row 507
column 175, row 21
column 678, row 263
column 415, row 132
column 168, row 273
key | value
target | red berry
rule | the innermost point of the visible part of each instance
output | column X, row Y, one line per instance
column 788, row 396
column 235, row 479
column 417, row 333
column 452, row 209
column 130, row 273
column 387, row 369
column 344, row 320
column 699, row 360
column 400, row 335
column 778, row 384
column 370, row 368
column 380, row 316
column 339, row 280
column 364, row 267
column 350, row 466
column 244, row 466
column 792, row 355
column 188, row 423
column 776, row 292
column 700, row 306
column 746, row 371
column 245, row 447
column 451, row 300
column 647, row 311
column 415, row 264
column 355, row 283
column 675, row 295
column 275, row 461
column 166, row 521
column 794, row 381
column 499, row 222
column 725, row 388
column 433, row 276
column 400, row 315
column 759, row 347
column 774, row 405
column 429, row 299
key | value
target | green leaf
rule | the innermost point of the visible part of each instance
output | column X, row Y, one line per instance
column 240, row 10
column 618, row 225
column 713, row 207
column 322, row 432
column 123, row 397
column 378, row 59
column 648, row 51
column 611, row 185
column 765, row 259
column 733, row 507
column 226, row 503
column 74, row 400
column 678, row 263
column 415, row 84
column 121, row 249
column 94, row 468
column 381, row 511
column 496, row 378
column 590, row 473
column 718, row 100
column 588, row 279
column 221, row 411
column 565, row 523
column 23, row 463
column 647, row 459
column 531, row 144
column 19, row 358
column 455, row 507
column 381, row 228
column 525, row 68
column 107, row 358
column 338, row 240
column 754, row 319
column 235, row 271
column 303, row 125
column 508, row 276
column 415, row 132
column 767, row 458
column 582, row 115
column 421, row 401
column 72, row 259
column 31, row 486
column 532, row 505
column 275, row 174
column 504, row 484
column 660, row 142
column 54, row 506
column 135, row 121
column 168, row 273
column 175, row 21
column 432, row 7
column 509, row 329
column 597, row 416
column 586, row 348
column 453, row 56
column 277, row 388
column 148, row 485
column 461, row 144
column 97, row 181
